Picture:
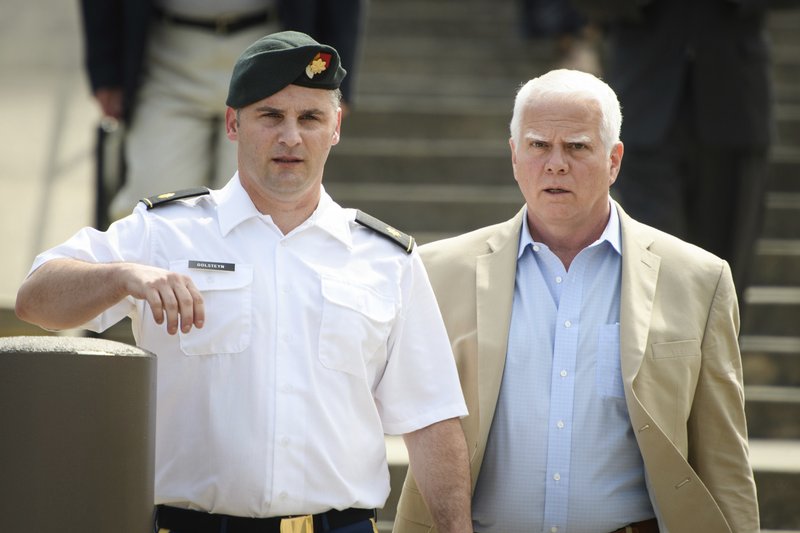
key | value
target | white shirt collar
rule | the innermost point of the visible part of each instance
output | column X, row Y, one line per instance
column 235, row 207
column 611, row 233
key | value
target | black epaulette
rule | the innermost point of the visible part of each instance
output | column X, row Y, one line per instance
column 406, row 242
column 167, row 197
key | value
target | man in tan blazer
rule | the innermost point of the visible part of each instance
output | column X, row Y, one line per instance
column 671, row 452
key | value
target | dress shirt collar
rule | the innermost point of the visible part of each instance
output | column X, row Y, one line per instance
column 611, row 233
column 235, row 207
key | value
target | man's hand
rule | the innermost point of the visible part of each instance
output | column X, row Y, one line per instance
column 168, row 294
column 110, row 101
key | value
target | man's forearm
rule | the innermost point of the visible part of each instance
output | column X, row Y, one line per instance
column 65, row 293
column 440, row 464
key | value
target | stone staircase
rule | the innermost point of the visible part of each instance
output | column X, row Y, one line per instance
column 771, row 315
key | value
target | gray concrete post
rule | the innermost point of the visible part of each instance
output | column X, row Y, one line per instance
column 77, row 435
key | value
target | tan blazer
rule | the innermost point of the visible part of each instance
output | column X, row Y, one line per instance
column 680, row 361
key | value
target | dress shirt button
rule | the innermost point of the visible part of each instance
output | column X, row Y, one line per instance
column 283, row 495
column 563, row 373
column 535, row 248
column 557, row 476
column 560, row 424
column 284, row 441
column 286, row 388
column 568, row 324
column 554, row 529
column 559, row 279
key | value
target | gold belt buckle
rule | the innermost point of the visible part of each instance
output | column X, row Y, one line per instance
column 298, row 524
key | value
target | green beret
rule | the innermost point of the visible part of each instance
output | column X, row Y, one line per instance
column 279, row 59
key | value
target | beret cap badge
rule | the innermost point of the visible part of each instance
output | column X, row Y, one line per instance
column 318, row 65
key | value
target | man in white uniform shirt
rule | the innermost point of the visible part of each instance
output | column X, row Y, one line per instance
column 290, row 333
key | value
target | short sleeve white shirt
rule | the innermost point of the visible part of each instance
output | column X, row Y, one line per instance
column 315, row 344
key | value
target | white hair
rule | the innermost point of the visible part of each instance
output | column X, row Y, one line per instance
column 571, row 84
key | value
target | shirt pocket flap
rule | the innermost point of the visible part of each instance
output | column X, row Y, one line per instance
column 358, row 298
column 687, row 348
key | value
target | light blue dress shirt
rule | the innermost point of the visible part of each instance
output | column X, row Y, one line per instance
column 562, row 456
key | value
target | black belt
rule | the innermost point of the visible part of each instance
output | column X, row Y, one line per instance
column 187, row 521
column 224, row 25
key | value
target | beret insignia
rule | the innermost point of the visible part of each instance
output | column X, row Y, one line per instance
column 318, row 65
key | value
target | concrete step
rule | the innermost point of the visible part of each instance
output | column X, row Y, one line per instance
column 772, row 368
column 776, row 262
column 784, row 168
column 420, row 161
column 787, row 93
column 787, row 119
column 771, row 311
column 776, row 464
column 772, row 412
column 473, row 120
column 782, row 215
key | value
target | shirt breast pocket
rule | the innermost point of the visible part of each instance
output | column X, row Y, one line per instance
column 608, row 377
column 227, row 299
column 355, row 326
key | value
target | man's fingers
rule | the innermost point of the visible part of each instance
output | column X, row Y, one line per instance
column 153, row 298
column 199, row 311
column 187, row 298
column 171, row 309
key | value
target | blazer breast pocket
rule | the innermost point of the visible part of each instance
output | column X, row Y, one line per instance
column 673, row 349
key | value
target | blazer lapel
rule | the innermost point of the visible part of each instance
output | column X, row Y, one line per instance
column 639, row 276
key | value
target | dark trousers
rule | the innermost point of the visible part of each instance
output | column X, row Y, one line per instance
column 709, row 195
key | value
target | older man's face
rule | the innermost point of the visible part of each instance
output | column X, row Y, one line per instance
column 561, row 166
column 284, row 141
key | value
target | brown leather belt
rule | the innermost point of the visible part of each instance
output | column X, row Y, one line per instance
column 645, row 526
column 219, row 25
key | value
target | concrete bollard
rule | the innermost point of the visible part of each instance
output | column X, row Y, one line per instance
column 77, row 435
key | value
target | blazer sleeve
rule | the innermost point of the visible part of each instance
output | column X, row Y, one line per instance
column 717, row 431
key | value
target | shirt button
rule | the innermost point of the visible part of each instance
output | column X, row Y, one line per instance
column 554, row 529
column 560, row 424
column 286, row 388
column 559, row 279
column 563, row 373
column 283, row 495
column 568, row 324
column 284, row 441
column 535, row 248
column 557, row 476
